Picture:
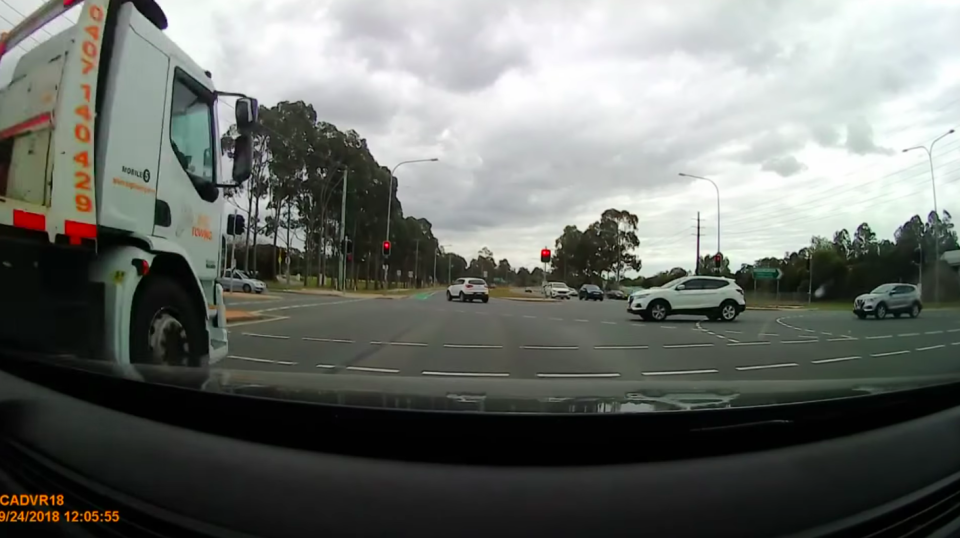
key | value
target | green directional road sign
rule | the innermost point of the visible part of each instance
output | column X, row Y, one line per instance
column 767, row 273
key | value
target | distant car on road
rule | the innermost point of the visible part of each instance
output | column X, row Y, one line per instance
column 718, row 298
column 616, row 295
column 468, row 290
column 240, row 281
column 894, row 298
column 591, row 292
column 557, row 290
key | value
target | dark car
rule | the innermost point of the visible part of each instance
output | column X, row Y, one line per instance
column 590, row 292
column 617, row 295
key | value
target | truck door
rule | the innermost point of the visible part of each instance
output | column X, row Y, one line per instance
column 188, row 170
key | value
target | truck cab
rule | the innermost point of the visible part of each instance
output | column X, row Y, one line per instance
column 111, row 211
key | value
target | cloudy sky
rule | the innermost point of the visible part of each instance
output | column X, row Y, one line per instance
column 546, row 112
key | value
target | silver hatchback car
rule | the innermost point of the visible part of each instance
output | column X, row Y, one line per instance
column 895, row 299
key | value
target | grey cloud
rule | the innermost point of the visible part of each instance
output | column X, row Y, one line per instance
column 784, row 166
column 772, row 144
column 860, row 139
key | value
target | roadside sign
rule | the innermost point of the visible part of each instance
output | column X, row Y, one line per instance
column 485, row 274
column 398, row 273
column 767, row 273
column 409, row 274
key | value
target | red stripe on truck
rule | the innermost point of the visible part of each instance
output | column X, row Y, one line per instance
column 80, row 229
column 25, row 125
column 30, row 221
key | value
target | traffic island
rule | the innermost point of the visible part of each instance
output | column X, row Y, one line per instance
column 234, row 316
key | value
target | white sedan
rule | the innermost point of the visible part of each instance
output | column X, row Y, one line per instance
column 468, row 290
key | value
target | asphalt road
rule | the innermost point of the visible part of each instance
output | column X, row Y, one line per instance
column 427, row 336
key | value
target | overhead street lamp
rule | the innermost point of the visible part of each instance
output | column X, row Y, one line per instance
column 936, row 232
column 390, row 197
column 718, row 203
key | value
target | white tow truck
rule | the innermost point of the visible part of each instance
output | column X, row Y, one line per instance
column 110, row 202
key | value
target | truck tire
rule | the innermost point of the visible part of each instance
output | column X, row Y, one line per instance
column 166, row 328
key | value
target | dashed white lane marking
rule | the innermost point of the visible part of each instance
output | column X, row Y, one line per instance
column 507, row 315
column 928, row 348
column 529, row 316
column 767, row 366
column 408, row 344
column 551, row 348
column 582, row 320
column 838, row 359
column 933, row 332
column 481, row 313
column 843, row 339
column 679, row 346
column 250, row 359
column 583, row 375
column 806, row 336
column 764, row 343
column 768, row 334
column 328, row 340
column 953, row 330
column 908, row 334
column 310, row 305
column 955, row 344
column 555, row 319
column 274, row 336
column 798, row 341
column 667, row 327
column 472, row 346
column 268, row 319
column 327, row 366
column 890, row 353
column 465, row 374
column 601, row 348
column 373, row 369
column 682, row 372
column 609, row 322
column 879, row 337
column 733, row 332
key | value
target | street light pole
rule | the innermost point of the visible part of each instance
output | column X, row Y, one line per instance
column 390, row 198
column 936, row 232
column 712, row 182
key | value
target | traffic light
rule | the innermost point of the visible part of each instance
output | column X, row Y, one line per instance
column 235, row 225
column 545, row 255
column 386, row 249
column 717, row 260
column 347, row 246
column 918, row 256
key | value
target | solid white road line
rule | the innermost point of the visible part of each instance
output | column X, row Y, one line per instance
column 765, row 343
column 328, row 340
column 682, row 372
column 408, row 344
column 373, row 369
column 551, row 348
column 928, row 348
column 880, row 337
column 767, row 366
column 465, row 374
column 890, row 353
column 908, row 334
column 274, row 336
column 679, row 346
column 933, row 332
column 619, row 347
column 472, row 346
column 573, row 376
column 838, row 359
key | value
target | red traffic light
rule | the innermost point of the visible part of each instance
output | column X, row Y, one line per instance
column 718, row 258
column 545, row 255
column 386, row 248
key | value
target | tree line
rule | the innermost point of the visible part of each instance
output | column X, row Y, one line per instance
column 299, row 163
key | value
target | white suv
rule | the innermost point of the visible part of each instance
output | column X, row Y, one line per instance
column 886, row 299
column 468, row 289
column 558, row 290
column 717, row 298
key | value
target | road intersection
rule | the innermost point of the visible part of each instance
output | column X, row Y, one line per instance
column 427, row 336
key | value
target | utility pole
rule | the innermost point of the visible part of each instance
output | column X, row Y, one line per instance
column 449, row 280
column 810, row 284
column 696, row 270
column 288, row 243
column 342, row 277
column 436, row 252
column 416, row 263
column 920, row 269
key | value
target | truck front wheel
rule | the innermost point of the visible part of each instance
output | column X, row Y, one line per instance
column 165, row 327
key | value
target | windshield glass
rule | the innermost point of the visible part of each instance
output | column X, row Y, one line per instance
column 409, row 194
column 886, row 288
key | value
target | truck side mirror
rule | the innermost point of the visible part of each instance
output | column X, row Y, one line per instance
column 242, row 158
column 247, row 110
